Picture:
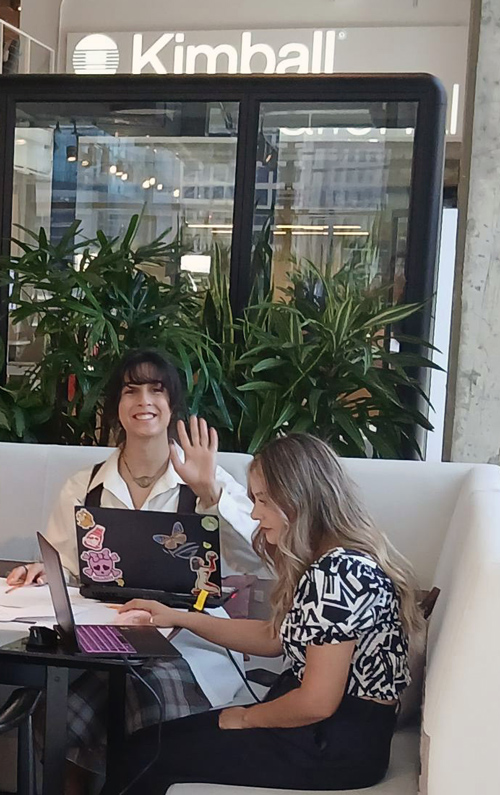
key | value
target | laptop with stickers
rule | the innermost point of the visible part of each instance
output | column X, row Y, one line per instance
column 169, row 557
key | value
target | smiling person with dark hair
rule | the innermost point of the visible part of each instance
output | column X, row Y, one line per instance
column 154, row 457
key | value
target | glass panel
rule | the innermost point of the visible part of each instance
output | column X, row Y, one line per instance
column 333, row 187
column 173, row 163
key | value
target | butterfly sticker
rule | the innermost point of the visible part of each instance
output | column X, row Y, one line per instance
column 177, row 544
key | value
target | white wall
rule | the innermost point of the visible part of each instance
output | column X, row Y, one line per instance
column 41, row 17
column 117, row 15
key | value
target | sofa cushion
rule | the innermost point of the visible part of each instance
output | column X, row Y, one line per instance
column 401, row 779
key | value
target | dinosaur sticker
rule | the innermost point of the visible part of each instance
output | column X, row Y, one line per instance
column 204, row 568
column 101, row 565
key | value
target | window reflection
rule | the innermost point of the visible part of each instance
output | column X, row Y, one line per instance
column 333, row 183
column 172, row 163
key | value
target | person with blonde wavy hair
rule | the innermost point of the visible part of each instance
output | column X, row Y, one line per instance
column 341, row 613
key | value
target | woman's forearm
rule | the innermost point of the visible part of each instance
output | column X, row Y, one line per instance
column 287, row 712
column 244, row 635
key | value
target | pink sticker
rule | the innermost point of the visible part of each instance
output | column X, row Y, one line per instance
column 94, row 539
column 204, row 569
column 101, row 565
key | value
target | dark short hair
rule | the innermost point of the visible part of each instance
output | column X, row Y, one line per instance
column 131, row 370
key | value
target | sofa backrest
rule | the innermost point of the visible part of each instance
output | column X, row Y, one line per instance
column 461, row 719
column 411, row 501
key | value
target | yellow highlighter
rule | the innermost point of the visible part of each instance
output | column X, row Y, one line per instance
column 200, row 601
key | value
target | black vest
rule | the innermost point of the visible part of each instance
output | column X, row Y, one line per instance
column 187, row 497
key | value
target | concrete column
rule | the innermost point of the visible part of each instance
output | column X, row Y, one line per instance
column 474, row 383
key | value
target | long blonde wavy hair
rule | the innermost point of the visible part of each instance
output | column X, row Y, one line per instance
column 321, row 510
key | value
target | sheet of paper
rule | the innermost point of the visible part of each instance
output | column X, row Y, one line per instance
column 34, row 602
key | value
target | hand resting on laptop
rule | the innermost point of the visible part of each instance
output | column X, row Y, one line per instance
column 133, row 617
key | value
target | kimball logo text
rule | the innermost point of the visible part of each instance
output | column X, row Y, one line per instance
column 171, row 54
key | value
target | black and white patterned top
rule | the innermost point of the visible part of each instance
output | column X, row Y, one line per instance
column 345, row 596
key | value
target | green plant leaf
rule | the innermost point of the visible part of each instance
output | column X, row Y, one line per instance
column 268, row 364
column 4, row 421
column 257, row 386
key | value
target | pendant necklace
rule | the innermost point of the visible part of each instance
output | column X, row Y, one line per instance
column 144, row 481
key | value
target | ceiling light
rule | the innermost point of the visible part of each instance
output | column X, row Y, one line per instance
column 124, row 176
column 85, row 163
column 159, row 186
column 210, row 226
column 112, row 169
column 196, row 263
column 146, row 184
column 20, row 141
column 314, row 227
column 152, row 180
column 346, row 226
column 294, row 232
column 176, row 193
column 71, row 154
column 351, row 234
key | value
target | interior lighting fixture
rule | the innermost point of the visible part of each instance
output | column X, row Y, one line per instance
column 314, row 227
column 112, row 169
column 20, row 141
column 176, row 193
column 346, row 226
column 310, row 232
column 196, row 263
column 71, row 154
column 210, row 226
column 146, row 184
column 124, row 176
column 351, row 234
column 119, row 168
column 85, row 163
column 152, row 181
column 159, row 186
column 222, row 231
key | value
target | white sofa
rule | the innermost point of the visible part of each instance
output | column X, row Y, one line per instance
column 446, row 519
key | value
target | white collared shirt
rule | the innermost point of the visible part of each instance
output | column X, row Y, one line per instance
column 234, row 508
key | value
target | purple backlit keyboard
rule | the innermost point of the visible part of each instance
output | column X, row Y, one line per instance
column 102, row 639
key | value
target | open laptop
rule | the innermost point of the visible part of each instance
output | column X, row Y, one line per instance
column 109, row 641
column 169, row 557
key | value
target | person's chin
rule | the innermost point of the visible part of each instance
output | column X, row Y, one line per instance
column 272, row 537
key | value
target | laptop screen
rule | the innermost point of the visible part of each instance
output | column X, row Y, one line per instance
column 57, row 586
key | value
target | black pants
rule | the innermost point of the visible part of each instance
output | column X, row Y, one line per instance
column 350, row 750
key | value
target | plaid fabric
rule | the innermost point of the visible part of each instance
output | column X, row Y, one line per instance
column 172, row 681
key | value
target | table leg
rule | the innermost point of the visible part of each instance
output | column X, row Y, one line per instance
column 56, row 716
column 116, row 722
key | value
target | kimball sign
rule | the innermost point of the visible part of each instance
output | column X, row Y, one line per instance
column 231, row 52
column 437, row 50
